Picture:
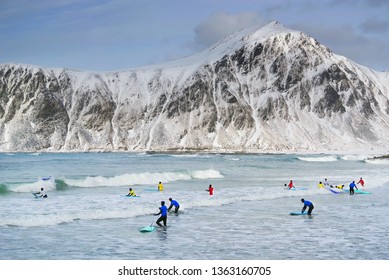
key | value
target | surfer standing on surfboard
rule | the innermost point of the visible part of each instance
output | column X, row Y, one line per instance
column 307, row 204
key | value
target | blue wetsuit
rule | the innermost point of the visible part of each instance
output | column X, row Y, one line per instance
column 163, row 218
column 352, row 186
column 308, row 204
column 175, row 204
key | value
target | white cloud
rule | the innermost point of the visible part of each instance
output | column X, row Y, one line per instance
column 220, row 25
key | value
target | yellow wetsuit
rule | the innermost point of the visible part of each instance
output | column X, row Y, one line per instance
column 321, row 186
column 131, row 192
column 160, row 187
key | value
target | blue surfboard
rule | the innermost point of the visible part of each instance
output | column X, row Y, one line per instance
column 298, row 213
column 334, row 191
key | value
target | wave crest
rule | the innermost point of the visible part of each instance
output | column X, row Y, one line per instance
column 146, row 178
column 319, row 159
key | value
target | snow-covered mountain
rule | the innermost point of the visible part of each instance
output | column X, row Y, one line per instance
column 261, row 89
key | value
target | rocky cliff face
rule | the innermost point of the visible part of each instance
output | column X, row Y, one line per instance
column 269, row 89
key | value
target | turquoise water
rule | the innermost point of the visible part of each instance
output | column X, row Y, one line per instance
column 87, row 217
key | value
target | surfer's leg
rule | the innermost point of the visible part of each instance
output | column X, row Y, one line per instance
column 310, row 210
column 164, row 221
column 158, row 221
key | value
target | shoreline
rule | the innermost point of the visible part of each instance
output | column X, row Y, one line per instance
column 382, row 154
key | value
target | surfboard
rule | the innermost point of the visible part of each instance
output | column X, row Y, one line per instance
column 149, row 228
column 358, row 192
column 129, row 196
column 361, row 192
column 335, row 192
column 37, row 195
column 151, row 190
column 297, row 188
column 298, row 213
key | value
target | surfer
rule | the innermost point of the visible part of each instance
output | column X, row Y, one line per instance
column 321, row 186
column 307, row 204
column 42, row 193
column 160, row 187
column 131, row 192
column 352, row 186
column 361, row 182
column 210, row 190
column 326, row 184
column 290, row 185
column 175, row 204
column 163, row 212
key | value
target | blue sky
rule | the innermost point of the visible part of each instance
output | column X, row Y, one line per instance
column 102, row 35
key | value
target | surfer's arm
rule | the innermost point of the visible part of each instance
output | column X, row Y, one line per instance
column 305, row 207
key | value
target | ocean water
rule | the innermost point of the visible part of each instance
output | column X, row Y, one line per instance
column 86, row 215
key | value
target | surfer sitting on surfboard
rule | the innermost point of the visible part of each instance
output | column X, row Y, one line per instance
column 307, row 204
column 131, row 192
column 163, row 212
column 42, row 194
column 175, row 204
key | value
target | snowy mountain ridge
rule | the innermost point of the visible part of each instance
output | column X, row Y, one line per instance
column 260, row 89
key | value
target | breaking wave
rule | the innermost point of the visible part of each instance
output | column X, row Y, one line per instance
column 319, row 159
column 145, row 178
column 377, row 161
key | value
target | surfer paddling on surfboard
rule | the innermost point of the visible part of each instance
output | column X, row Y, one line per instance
column 163, row 212
column 307, row 204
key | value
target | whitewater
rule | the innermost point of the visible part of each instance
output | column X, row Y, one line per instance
column 87, row 216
